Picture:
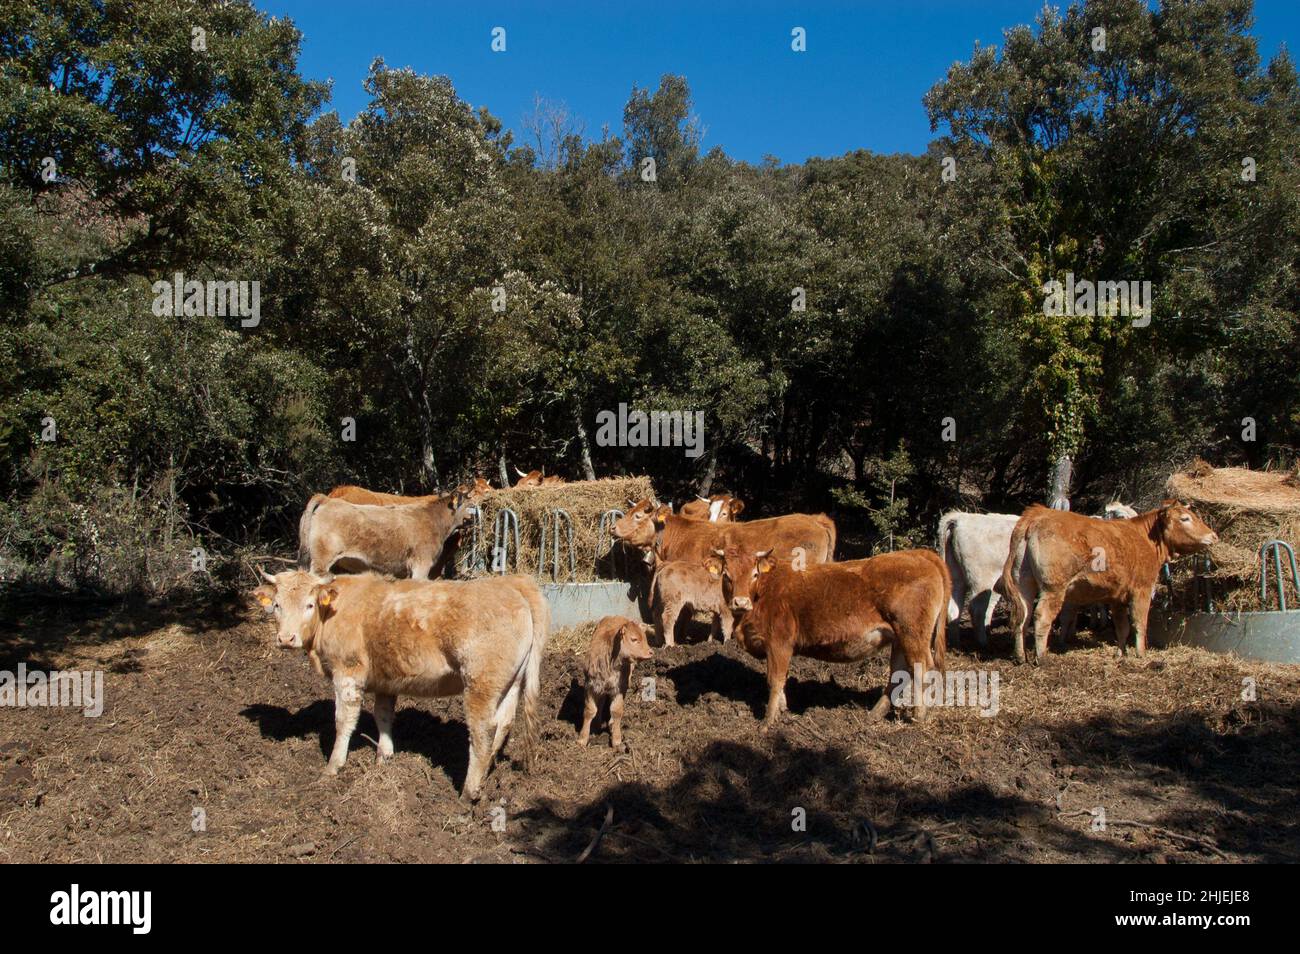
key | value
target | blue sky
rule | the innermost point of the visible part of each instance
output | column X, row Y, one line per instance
column 859, row 85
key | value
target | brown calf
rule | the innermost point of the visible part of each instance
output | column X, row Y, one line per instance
column 839, row 612
column 616, row 645
column 682, row 586
column 481, row 638
column 1057, row 556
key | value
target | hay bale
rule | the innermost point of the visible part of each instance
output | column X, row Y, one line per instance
column 1247, row 508
column 584, row 500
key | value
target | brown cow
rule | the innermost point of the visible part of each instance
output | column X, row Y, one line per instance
column 616, row 645
column 481, row 638
column 839, row 612
column 720, row 508
column 651, row 527
column 1057, row 556
column 400, row 539
column 534, row 478
column 685, row 586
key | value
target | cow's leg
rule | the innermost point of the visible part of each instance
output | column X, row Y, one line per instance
column 616, row 720
column 1139, row 608
column 1049, row 604
column 981, row 614
column 1122, row 628
column 347, row 710
column 668, row 622
column 385, row 709
column 1068, row 625
column 959, row 601
column 505, row 718
column 479, row 710
column 911, row 653
column 778, row 670
column 588, row 714
column 726, row 621
column 1026, row 593
column 419, row 569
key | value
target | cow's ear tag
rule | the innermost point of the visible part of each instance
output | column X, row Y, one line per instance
column 264, row 599
column 764, row 566
column 325, row 598
column 713, row 570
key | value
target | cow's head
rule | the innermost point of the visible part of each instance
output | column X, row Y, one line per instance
column 462, row 507
column 630, row 642
column 1181, row 530
column 477, row 490
column 300, row 602
column 531, row 479
column 740, row 573
column 637, row 527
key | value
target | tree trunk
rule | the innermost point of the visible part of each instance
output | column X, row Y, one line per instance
column 501, row 467
column 584, row 446
column 1060, row 496
column 706, row 485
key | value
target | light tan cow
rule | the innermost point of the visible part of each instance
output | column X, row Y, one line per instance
column 360, row 495
column 399, row 539
column 481, row 638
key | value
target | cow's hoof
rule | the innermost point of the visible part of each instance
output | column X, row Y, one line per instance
column 470, row 795
column 330, row 770
column 582, row 741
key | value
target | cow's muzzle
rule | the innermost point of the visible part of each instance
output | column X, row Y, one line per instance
column 741, row 603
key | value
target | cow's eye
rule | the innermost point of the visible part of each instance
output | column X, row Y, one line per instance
column 1185, row 519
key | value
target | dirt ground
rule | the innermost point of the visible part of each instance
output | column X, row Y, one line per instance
column 202, row 713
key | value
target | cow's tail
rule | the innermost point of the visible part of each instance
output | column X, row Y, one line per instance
column 940, row 639
column 304, row 530
column 829, row 525
column 532, row 687
column 1008, row 585
column 946, row 523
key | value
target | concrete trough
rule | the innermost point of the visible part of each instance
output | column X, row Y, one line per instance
column 573, row 604
column 1265, row 637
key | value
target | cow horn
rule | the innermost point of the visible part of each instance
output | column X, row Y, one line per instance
column 266, row 576
column 721, row 553
column 698, row 497
column 520, row 472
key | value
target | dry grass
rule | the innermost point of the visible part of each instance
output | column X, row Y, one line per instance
column 1247, row 508
column 584, row 501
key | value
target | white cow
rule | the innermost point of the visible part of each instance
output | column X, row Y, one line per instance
column 975, row 546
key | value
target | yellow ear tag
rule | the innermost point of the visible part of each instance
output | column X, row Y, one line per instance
column 264, row 599
column 713, row 570
column 764, row 567
column 325, row 598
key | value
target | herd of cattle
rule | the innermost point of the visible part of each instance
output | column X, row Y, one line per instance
column 369, row 606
